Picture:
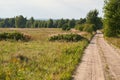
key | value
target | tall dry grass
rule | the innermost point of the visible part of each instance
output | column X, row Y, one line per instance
column 45, row 60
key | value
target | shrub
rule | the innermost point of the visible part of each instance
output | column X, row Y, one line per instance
column 89, row 28
column 66, row 27
column 14, row 36
column 79, row 27
column 86, row 27
column 66, row 37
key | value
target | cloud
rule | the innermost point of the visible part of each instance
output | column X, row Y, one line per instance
column 49, row 8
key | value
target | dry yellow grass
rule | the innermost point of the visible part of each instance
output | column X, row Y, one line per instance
column 114, row 41
column 46, row 60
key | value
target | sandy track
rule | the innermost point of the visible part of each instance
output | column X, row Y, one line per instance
column 112, row 57
column 90, row 68
column 92, row 65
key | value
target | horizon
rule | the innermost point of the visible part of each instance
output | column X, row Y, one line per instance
column 54, row 9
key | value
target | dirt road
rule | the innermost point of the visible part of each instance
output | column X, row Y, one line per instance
column 100, row 61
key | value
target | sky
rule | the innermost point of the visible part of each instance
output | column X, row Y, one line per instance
column 45, row 9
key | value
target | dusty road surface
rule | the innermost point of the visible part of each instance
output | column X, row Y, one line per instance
column 100, row 61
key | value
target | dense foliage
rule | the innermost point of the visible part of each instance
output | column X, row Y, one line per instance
column 112, row 18
column 20, row 22
column 92, row 18
column 14, row 36
column 66, row 27
column 67, row 37
column 89, row 28
column 91, row 23
column 86, row 27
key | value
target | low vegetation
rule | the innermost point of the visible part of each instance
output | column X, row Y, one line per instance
column 66, row 27
column 66, row 37
column 86, row 27
column 39, row 59
column 88, row 36
column 14, row 36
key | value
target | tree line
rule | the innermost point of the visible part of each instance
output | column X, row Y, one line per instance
column 91, row 23
column 23, row 22
column 65, row 24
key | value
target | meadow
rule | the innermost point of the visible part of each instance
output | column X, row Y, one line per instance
column 41, row 58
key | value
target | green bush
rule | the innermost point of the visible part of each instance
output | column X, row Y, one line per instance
column 66, row 37
column 79, row 27
column 66, row 27
column 14, row 36
column 89, row 28
column 86, row 27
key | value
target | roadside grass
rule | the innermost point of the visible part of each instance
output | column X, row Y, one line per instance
column 114, row 41
column 46, row 60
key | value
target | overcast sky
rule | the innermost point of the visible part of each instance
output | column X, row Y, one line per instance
column 49, row 8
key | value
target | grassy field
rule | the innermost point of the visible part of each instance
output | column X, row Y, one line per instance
column 45, row 60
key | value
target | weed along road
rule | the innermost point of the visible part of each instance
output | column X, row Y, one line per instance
column 100, row 61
